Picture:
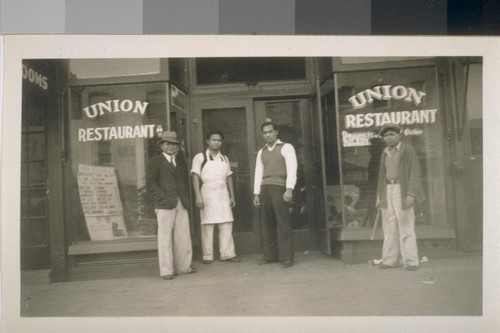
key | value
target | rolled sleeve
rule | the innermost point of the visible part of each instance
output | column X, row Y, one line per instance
column 196, row 166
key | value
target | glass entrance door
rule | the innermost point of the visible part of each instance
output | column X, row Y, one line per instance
column 34, row 213
column 236, row 126
column 297, row 126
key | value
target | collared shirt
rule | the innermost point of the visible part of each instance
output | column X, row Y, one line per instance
column 170, row 158
column 391, row 162
column 288, row 153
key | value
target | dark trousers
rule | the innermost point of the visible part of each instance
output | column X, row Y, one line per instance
column 277, row 236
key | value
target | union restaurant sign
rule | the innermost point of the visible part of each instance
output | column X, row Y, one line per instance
column 413, row 118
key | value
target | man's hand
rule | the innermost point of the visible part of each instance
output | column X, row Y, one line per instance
column 377, row 202
column 287, row 196
column 256, row 200
column 199, row 203
column 409, row 202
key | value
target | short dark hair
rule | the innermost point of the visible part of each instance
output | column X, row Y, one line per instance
column 210, row 133
column 269, row 123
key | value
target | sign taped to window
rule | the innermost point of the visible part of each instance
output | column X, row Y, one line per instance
column 101, row 204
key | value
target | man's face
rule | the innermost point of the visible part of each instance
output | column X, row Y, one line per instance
column 392, row 138
column 270, row 134
column 170, row 148
column 215, row 142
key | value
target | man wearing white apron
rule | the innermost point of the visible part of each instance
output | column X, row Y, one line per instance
column 213, row 188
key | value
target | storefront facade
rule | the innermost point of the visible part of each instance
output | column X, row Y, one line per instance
column 107, row 115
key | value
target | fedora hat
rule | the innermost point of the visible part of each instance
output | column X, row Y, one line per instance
column 168, row 136
column 393, row 127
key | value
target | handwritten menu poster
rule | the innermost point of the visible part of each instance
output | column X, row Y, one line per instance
column 101, row 204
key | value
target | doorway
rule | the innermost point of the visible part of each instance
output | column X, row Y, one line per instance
column 233, row 122
column 240, row 121
column 34, row 211
column 296, row 125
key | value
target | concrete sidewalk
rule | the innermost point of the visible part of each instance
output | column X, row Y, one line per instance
column 316, row 285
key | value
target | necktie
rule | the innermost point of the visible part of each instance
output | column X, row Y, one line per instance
column 172, row 160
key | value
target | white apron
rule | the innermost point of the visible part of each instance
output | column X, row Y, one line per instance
column 214, row 193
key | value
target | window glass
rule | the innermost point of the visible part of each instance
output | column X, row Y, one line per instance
column 367, row 101
column 113, row 133
column 475, row 108
column 103, row 68
column 233, row 70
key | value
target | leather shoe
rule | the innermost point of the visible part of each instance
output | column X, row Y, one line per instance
column 265, row 262
column 411, row 268
column 207, row 261
column 233, row 259
column 167, row 277
column 193, row 270
column 382, row 266
column 286, row 264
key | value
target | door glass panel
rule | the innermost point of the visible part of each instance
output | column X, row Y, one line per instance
column 37, row 174
column 37, row 204
column 36, row 146
column 232, row 123
column 294, row 122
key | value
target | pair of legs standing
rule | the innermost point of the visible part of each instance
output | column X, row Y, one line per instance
column 277, row 235
column 174, row 241
column 398, row 225
column 226, row 242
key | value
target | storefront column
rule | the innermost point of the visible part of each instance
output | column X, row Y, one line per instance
column 55, row 188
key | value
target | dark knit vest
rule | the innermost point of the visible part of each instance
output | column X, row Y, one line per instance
column 274, row 166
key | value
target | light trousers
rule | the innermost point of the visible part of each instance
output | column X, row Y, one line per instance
column 174, row 240
column 398, row 225
column 226, row 242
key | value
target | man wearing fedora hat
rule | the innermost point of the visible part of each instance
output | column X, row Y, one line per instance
column 168, row 181
column 399, row 189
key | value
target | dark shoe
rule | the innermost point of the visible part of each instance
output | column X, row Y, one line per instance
column 286, row 264
column 382, row 266
column 411, row 268
column 265, row 262
column 207, row 261
column 167, row 277
column 233, row 259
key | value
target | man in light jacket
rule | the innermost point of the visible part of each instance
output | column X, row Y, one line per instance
column 399, row 189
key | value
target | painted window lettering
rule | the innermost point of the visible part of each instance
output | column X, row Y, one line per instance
column 386, row 92
column 115, row 105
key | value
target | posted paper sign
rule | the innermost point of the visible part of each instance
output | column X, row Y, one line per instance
column 101, row 204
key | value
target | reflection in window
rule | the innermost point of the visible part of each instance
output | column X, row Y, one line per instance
column 361, row 148
column 232, row 70
column 113, row 135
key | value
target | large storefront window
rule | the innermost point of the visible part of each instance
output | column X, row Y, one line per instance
column 358, row 106
column 113, row 131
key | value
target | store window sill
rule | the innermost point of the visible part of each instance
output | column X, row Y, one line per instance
column 114, row 246
column 423, row 232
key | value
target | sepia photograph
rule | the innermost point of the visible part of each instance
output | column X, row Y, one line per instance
column 262, row 181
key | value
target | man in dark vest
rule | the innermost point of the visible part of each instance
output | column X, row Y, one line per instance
column 399, row 189
column 168, row 181
column 275, row 178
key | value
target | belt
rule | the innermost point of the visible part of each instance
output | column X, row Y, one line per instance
column 392, row 181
